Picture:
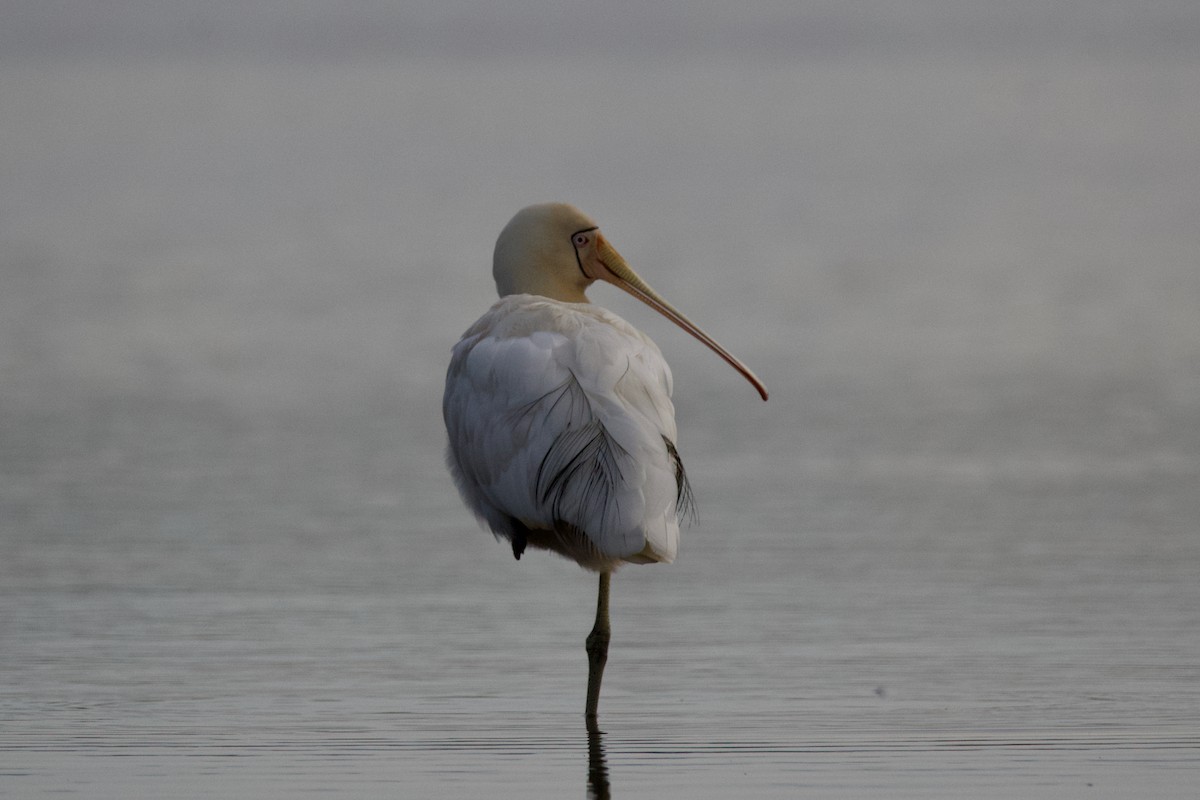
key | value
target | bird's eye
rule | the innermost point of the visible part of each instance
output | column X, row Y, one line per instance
column 580, row 239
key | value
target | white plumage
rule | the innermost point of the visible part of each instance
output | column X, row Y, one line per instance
column 560, row 419
column 559, row 415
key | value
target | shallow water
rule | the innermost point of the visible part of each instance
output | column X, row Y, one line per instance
column 954, row 555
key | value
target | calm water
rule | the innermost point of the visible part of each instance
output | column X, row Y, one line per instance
column 955, row 555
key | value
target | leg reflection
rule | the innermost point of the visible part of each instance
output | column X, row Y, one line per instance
column 597, row 767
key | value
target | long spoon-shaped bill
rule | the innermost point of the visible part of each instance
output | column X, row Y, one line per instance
column 617, row 272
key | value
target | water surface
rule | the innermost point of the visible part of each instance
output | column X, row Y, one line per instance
column 954, row 555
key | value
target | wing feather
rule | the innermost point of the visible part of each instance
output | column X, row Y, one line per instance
column 560, row 420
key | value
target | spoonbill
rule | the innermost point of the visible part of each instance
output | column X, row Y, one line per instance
column 558, row 412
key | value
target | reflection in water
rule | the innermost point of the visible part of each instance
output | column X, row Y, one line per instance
column 597, row 767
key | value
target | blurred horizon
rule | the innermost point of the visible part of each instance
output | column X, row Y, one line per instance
column 276, row 29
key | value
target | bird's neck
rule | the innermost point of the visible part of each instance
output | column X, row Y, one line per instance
column 544, row 283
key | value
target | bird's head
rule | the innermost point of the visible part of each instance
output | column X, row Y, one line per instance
column 536, row 253
column 557, row 251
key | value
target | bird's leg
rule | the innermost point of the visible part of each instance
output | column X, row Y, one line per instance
column 597, row 650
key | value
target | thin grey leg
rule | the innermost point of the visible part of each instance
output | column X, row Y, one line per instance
column 597, row 650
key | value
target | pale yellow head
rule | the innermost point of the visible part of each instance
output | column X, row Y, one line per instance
column 556, row 251
column 535, row 254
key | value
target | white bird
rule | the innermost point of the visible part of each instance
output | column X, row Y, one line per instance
column 561, row 428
